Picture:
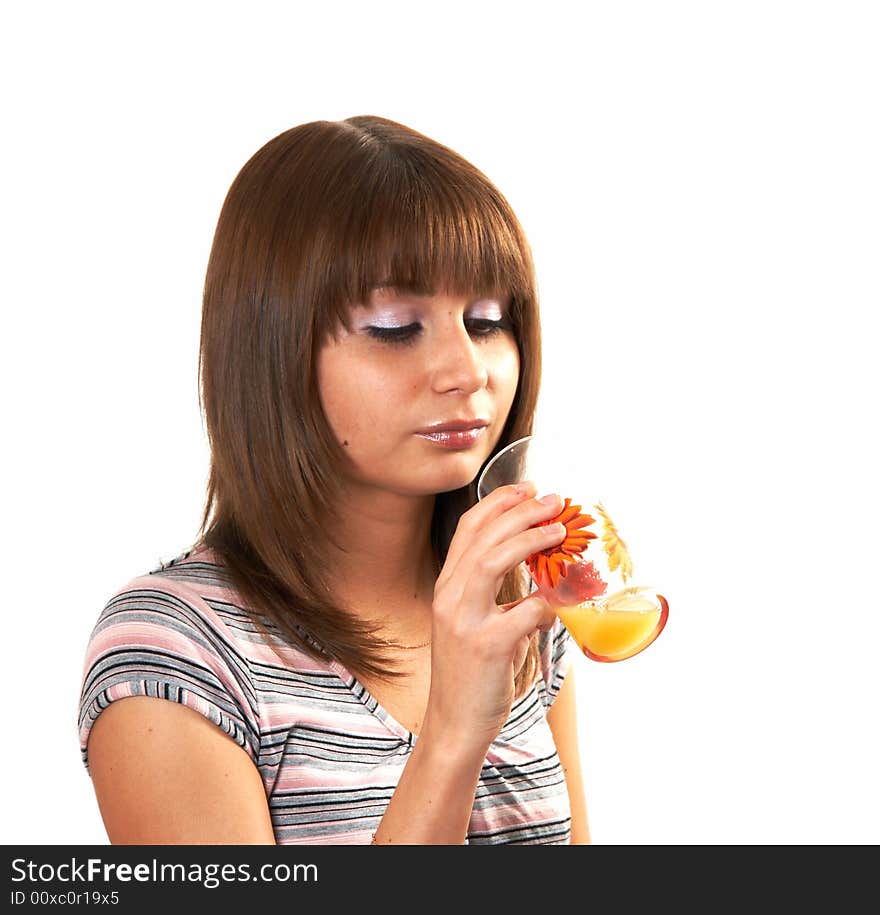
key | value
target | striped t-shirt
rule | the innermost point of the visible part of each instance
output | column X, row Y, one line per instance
column 329, row 755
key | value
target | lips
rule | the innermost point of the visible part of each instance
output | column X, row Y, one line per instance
column 455, row 425
column 454, row 438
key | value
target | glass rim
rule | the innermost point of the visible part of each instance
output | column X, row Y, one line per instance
column 494, row 459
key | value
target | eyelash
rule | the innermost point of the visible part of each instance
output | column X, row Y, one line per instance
column 406, row 335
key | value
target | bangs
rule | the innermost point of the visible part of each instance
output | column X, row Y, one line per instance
column 417, row 228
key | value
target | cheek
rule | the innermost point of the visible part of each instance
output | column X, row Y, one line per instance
column 505, row 373
column 334, row 390
column 353, row 397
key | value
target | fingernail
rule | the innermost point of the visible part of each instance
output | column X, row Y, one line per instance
column 549, row 499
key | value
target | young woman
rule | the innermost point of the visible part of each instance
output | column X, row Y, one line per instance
column 350, row 648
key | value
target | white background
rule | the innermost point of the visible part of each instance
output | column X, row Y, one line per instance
column 699, row 183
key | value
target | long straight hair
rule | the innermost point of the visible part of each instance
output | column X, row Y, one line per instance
column 314, row 220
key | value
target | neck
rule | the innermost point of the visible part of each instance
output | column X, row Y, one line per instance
column 388, row 569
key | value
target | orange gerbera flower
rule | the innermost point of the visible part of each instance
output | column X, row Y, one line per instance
column 547, row 565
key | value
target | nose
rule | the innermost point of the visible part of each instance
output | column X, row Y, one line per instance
column 459, row 364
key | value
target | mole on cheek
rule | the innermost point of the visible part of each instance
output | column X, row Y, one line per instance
column 345, row 442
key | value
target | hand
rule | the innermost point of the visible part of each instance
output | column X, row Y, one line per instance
column 478, row 646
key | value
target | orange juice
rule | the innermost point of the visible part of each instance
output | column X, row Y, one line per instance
column 613, row 633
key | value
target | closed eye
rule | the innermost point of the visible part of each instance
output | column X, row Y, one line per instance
column 479, row 328
column 405, row 334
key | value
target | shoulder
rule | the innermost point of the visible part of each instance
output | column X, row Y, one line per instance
column 188, row 598
column 178, row 632
column 177, row 602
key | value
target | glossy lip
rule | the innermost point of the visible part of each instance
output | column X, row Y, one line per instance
column 464, row 438
column 454, row 425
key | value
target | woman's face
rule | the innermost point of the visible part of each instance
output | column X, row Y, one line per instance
column 411, row 362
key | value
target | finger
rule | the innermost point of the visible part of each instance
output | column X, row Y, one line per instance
column 547, row 620
column 483, row 572
column 528, row 513
column 507, row 518
column 479, row 515
column 527, row 615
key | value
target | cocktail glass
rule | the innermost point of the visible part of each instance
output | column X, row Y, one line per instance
column 588, row 578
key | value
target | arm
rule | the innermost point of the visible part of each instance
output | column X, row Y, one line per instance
column 165, row 775
column 434, row 798
column 562, row 718
column 477, row 648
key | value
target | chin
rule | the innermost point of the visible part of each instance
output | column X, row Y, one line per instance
column 450, row 481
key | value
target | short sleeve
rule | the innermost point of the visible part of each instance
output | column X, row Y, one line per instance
column 555, row 648
column 156, row 637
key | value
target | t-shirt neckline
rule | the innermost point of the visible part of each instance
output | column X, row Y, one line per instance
column 367, row 699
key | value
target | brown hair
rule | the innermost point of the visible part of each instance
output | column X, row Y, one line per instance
column 316, row 218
